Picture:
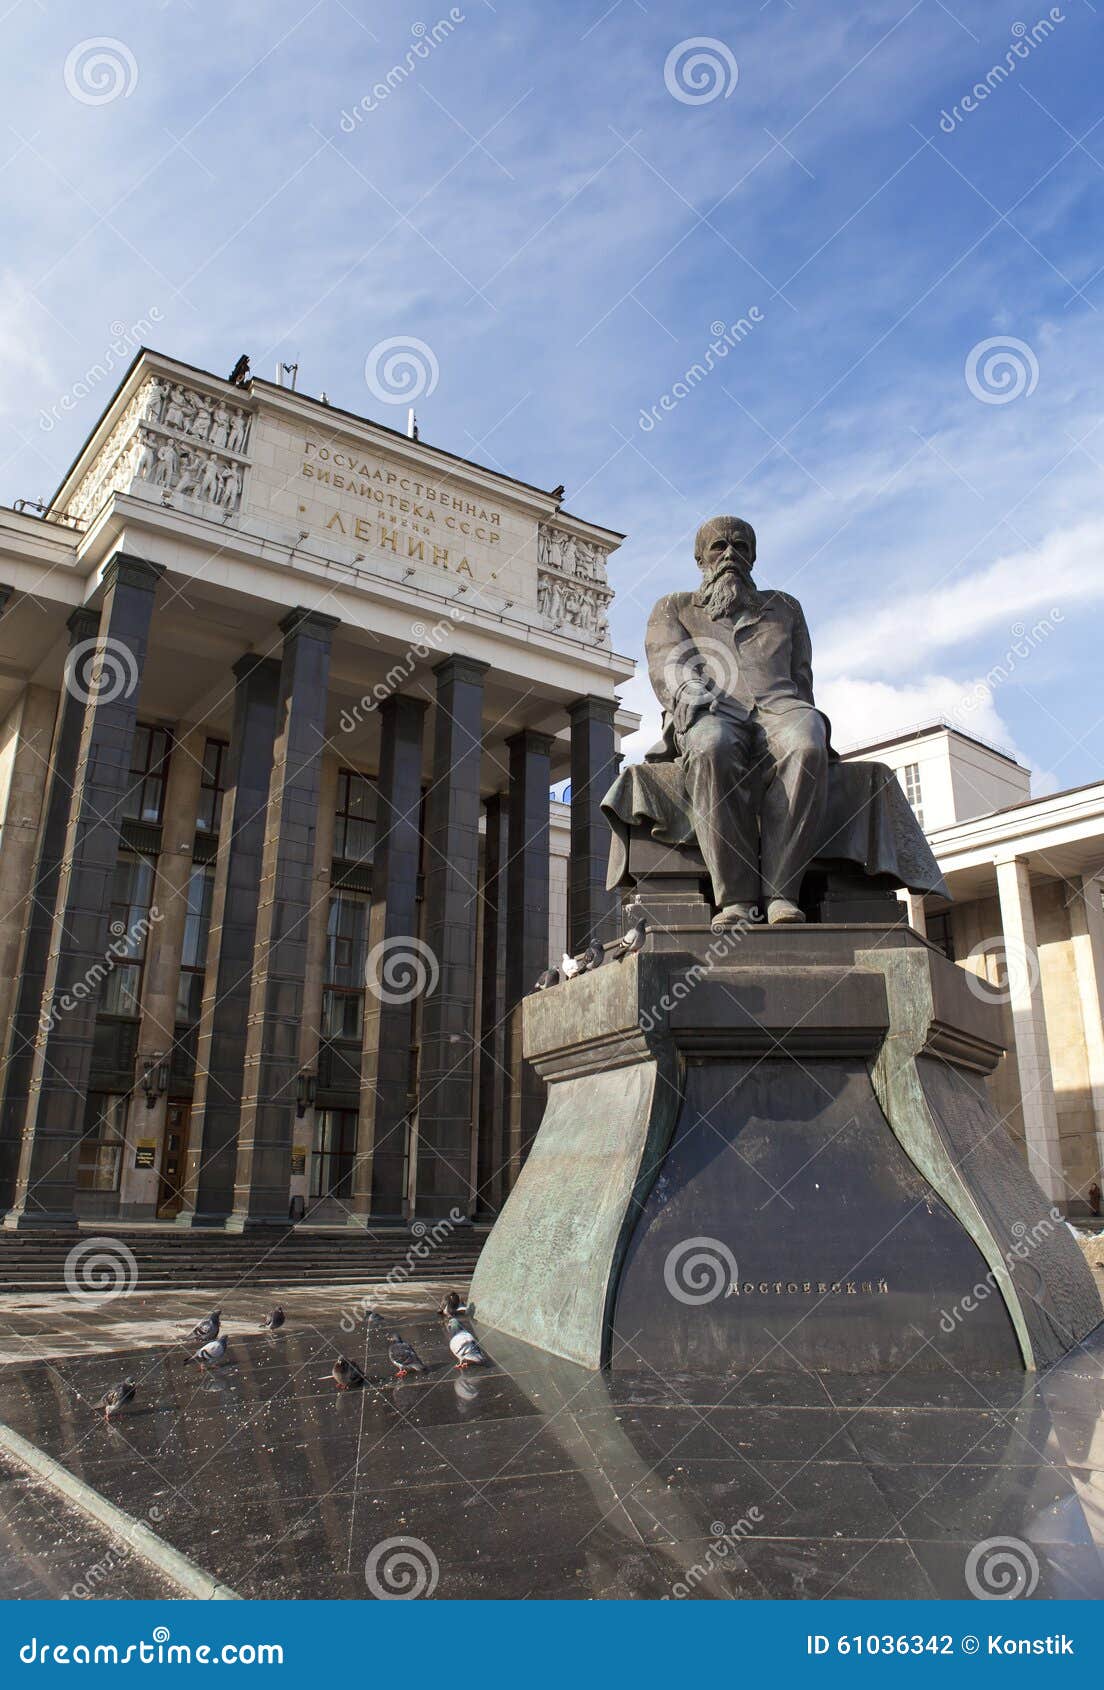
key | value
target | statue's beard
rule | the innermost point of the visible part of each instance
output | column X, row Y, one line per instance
column 727, row 592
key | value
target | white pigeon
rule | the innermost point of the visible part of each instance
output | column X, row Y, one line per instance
column 569, row 967
column 210, row 1354
column 464, row 1347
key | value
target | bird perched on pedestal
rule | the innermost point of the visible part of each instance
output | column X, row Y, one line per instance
column 210, row 1355
column 239, row 375
column 118, row 1397
column 207, row 1328
column 346, row 1375
column 274, row 1319
column 464, row 1346
column 550, row 977
column 403, row 1357
column 593, row 957
column 632, row 940
column 569, row 967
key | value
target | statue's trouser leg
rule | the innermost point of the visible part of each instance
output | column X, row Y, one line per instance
column 792, row 817
column 724, row 818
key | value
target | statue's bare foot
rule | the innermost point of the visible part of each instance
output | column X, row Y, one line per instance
column 781, row 910
column 735, row 915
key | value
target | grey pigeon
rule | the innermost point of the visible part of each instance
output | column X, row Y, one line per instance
column 208, row 1328
column 275, row 1319
column 346, row 1374
column 592, row 957
column 452, row 1306
column 373, row 1318
column 403, row 1357
column 550, row 977
column 210, row 1354
column 464, row 1347
column 632, row 940
column 118, row 1397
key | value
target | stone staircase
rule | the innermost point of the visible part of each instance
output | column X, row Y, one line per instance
column 166, row 1259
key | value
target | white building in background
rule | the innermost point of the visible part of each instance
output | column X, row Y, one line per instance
column 1027, row 914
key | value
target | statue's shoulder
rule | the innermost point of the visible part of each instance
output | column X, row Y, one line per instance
column 785, row 601
column 671, row 604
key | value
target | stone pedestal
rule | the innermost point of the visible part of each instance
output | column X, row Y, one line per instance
column 775, row 1148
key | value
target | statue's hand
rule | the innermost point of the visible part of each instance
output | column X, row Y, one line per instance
column 695, row 696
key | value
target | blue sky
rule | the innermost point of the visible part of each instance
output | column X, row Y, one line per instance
column 539, row 201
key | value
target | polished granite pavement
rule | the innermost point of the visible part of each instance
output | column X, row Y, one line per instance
column 533, row 1478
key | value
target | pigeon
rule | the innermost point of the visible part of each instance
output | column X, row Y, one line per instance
column 568, row 966
column 632, row 940
column 346, row 1374
column 373, row 1318
column 239, row 375
column 403, row 1357
column 557, row 493
column 208, row 1328
column 210, row 1354
column 550, row 977
column 464, row 1347
column 275, row 1319
column 452, row 1306
column 118, row 1397
column 592, row 957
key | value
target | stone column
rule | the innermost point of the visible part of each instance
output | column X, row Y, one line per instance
column 526, row 925
column 1087, row 934
column 79, row 943
column 379, row 1179
column 263, row 1175
column 452, row 872
column 39, row 911
column 220, row 1050
column 592, row 911
column 1025, row 997
column 914, row 904
column 491, row 1153
column 164, row 943
column 310, row 1032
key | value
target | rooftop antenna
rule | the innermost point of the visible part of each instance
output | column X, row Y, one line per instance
column 411, row 424
column 289, row 370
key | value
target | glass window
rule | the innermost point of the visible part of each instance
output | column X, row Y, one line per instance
column 355, row 823
column 131, row 897
column 193, row 954
column 212, row 785
column 100, row 1154
column 149, row 768
column 334, row 1153
column 910, row 776
column 346, row 955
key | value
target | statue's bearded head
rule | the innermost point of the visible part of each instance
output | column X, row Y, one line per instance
column 724, row 549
